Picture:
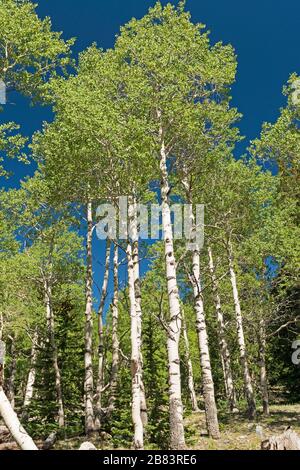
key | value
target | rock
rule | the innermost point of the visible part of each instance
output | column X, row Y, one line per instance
column 259, row 432
column 87, row 446
column 289, row 440
column 50, row 441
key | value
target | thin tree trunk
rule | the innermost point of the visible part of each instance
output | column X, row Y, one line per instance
column 177, row 439
column 138, row 305
column 241, row 338
column 1, row 325
column 207, row 378
column 224, row 373
column 2, row 351
column 115, row 338
column 223, row 346
column 138, row 440
column 263, row 368
column 32, row 374
column 54, row 352
column 2, row 360
column 10, row 385
column 191, row 384
column 13, row 424
column 88, row 355
column 101, row 336
column 211, row 412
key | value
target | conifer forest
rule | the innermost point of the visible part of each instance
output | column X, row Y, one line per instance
column 149, row 271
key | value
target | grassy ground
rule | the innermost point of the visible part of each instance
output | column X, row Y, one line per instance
column 238, row 433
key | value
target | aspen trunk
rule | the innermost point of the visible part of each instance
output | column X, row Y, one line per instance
column 101, row 336
column 241, row 338
column 32, row 374
column 54, row 353
column 177, row 439
column 13, row 424
column 2, row 351
column 263, row 368
column 10, row 386
column 2, row 360
column 223, row 346
column 138, row 305
column 191, row 384
column 88, row 355
column 138, row 440
column 1, row 325
column 115, row 337
column 207, row 378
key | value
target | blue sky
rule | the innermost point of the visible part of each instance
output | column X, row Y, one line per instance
column 264, row 33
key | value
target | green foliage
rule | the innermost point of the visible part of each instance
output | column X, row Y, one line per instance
column 42, row 411
column 30, row 51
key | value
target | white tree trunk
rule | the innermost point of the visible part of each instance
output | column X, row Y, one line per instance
column 207, row 378
column 88, row 355
column 32, row 373
column 2, row 351
column 10, row 385
column 53, row 346
column 101, row 335
column 191, row 384
column 138, row 440
column 241, row 338
column 138, row 304
column 223, row 346
column 1, row 325
column 263, row 368
column 115, row 337
column 177, row 439
column 13, row 424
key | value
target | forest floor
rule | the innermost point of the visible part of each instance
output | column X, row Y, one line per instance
column 237, row 433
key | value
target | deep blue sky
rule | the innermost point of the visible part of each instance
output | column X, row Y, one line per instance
column 264, row 33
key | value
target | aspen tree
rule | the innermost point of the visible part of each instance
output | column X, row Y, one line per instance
column 191, row 384
column 88, row 354
column 100, row 313
column 224, row 350
column 115, row 333
column 171, row 63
